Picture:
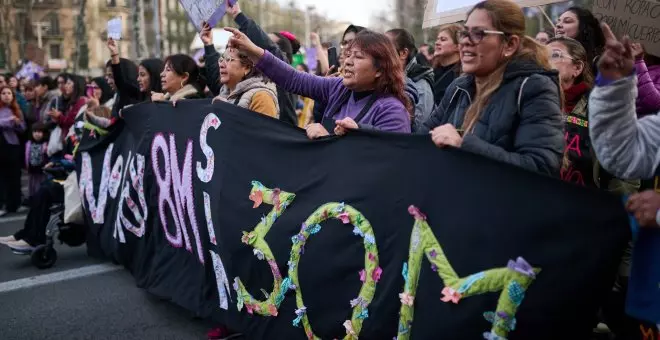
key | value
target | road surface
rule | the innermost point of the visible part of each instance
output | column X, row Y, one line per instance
column 81, row 298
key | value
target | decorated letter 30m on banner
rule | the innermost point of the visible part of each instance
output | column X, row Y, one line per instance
column 241, row 218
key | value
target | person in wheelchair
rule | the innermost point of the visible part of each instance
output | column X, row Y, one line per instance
column 50, row 193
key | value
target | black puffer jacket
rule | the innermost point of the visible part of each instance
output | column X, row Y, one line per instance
column 526, row 131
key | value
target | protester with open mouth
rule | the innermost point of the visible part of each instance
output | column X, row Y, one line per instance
column 507, row 105
column 446, row 60
column 580, row 24
column 370, row 95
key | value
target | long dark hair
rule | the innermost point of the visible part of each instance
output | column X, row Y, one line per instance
column 106, row 92
column 79, row 86
column 402, row 40
column 154, row 67
column 182, row 64
column 392, row 80
column 590, row 35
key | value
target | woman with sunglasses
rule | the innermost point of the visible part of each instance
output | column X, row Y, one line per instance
column 506, row 106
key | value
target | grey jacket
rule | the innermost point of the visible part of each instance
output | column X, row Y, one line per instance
column 422, row 76
column 521, row 124
column 627, row 147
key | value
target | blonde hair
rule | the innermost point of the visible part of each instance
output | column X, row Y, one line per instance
column 453, row 30
column 507, row 17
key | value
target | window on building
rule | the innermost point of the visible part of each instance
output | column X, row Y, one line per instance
column 111, row 3
column 53, row 22
column 3, row 56
column 55, row 51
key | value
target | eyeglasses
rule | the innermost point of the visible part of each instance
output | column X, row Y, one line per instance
column 227, row 59
column 476, row 35
column 559, row 54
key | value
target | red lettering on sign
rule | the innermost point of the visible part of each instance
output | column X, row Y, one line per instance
column 574, row 144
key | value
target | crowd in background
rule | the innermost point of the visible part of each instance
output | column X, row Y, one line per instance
column 574, row 103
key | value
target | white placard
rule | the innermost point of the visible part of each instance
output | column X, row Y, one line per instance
column 440, row 12
column 114, row 29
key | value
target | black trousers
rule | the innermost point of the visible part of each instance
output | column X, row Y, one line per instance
column 10, row 175
column 34, row 230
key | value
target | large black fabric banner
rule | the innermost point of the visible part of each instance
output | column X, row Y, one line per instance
column 241, row 218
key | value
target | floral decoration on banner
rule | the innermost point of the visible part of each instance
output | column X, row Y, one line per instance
column 369, row 276
column 255, row 238
column 512, row 281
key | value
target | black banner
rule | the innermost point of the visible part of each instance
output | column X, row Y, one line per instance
column 241, row 218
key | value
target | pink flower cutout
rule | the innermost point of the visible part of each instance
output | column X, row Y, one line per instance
column 449, row 294
column 250, row 308
column 372, row 257
column 406, row 299
column 344, row 218
column 363, row 275
column 272, row 310
column 376, row 274
column 349, row 327
column 257, row 197
column 413, row 210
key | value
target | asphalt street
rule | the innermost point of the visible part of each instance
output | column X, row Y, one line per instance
column 82, row 298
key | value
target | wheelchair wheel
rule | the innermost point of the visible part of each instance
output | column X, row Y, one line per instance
column 44, row 257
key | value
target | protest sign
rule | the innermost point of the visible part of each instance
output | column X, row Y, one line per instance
column 114, row 29
column 210, row 11
column 440, row 12
column 241, row 218
column 638, row 19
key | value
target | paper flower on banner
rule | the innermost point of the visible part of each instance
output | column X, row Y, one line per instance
column 369, row 239
column 258, row 253
column 248, row 238
column 272, row 310
column 449, row 294
column 299, row 315
column 493, row 336
column 250, row 308
column 521, row 266
column 371, row 257
column 340, row 207
column 349, row 327
column 363, row 275
column 257, row 197
column 358, row 232
column 276, row 198
column 359, row 301
column 516, row 293
column 235, row 285
column 434, row 268
column 404, row 271
column 413, row 210
column 314, row 229
column 298, row 238
column 433, row 253
column 406, row 299
column 501, row 319
column 375, row 275
column 363, row 314
column 344, row 218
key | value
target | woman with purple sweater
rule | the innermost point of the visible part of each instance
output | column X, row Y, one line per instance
column 371, row 95
column 11, row 124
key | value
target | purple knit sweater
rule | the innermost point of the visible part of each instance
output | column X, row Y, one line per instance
column 386, row 114
column 648, row 87
column 9, row 127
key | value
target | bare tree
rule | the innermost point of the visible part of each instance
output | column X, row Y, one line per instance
column 6, row 25
column 81, row 52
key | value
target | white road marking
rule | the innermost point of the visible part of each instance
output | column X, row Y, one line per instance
column 12, row 219
column 56, row 277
